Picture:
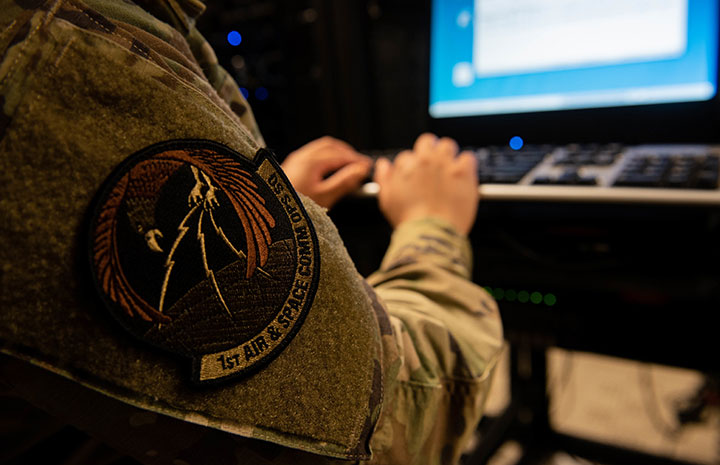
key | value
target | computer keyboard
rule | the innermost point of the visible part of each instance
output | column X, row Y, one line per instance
column 596, row 173
column 507, row 166
column 691, row 171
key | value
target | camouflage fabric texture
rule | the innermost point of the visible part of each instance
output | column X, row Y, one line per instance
column 399, row 364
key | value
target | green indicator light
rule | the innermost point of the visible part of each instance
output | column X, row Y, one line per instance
column 489, row 290
column 550, row 300
column 536, row 297
column 499, row 293
column 523, row 296
column 510, row 295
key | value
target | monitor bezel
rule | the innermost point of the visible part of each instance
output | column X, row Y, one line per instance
column 681, row 122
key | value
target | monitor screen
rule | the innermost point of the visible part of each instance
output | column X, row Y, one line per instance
column 493, row 57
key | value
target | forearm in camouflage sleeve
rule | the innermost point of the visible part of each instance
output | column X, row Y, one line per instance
column 449, row 336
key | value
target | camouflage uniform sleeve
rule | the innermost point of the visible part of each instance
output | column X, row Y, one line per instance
column 449, row 336
column 145, row 436
column 182, row 15
column 178, row 58
column 177, row 32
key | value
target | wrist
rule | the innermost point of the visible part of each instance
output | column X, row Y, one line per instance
column 431, row 240
column 433, row 221
column 441, row 218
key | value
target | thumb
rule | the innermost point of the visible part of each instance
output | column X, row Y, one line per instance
column 343, row 181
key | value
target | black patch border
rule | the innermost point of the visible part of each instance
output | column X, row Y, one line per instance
column 110, row 307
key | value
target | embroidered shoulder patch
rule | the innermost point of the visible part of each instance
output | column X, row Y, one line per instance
column 201, row 252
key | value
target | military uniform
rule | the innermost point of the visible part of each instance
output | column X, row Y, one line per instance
column 102, row 102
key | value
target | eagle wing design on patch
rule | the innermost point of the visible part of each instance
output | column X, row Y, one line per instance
column 211, row 171
column 110, row 274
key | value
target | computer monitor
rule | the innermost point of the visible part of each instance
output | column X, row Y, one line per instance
column 575, row 70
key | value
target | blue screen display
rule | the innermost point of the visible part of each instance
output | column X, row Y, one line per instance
column 499, row 56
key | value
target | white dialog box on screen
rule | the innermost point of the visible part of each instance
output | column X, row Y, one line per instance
column 525, row 36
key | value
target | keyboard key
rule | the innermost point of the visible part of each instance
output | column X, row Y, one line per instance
column 637, row 180
column 707, row 179
column 587, row 181
column 506, row 178
column 543, row 180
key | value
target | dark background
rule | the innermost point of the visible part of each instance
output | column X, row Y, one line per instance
column 634, row 280
column 631, row 280
column 637, row 281
column 355, row 70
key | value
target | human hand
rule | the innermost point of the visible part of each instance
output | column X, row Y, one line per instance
column 430, row 180
column 326, row 169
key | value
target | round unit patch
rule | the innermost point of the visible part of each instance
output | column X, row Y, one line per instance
column 204, row 253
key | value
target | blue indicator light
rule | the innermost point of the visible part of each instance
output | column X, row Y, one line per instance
column 234, row 38
column 245, row 92
column 261, row 93
column 516, row 143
